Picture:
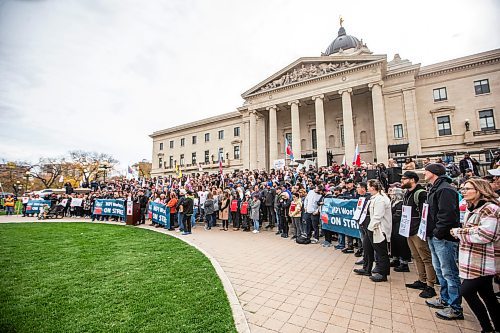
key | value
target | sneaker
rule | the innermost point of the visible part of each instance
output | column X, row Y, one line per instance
column 416, row 285
column 338, row 247
column 359, row 262
column 378, row 277
column 185, row 233
column 436, row 303
column 314, row 241
column 402, row 268
column 428, row 292
column 358, row 253
column 395, row 263
column 449, row 314
column 348, row 250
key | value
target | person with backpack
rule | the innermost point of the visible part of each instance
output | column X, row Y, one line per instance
column 415, row 198
column 283, row 208
column 234, row 209
column 208, row 208
column 245, row 211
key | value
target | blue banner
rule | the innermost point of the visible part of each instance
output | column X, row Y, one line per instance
column 110, row 207
column 336, row 215
column 35, row 206
column 160, row 214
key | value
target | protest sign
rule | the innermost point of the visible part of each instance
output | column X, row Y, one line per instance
column 35, row 206
column 404, row 226
column 160, row 214
column 359, row 208
column 422, row 230
column 76, row 202
column 279, row 164
column 337, row 215
column 110, row 207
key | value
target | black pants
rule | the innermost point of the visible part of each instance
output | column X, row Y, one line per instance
column 186, row 219
column 284, row 224
column 368, row 252
column 235, row 217
column 312, row 225
column 471, row 289
column 271, row 216
column 328, row 235
column 381, row 253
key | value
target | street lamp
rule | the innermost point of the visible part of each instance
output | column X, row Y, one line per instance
column 17, row 186
column 104, row 167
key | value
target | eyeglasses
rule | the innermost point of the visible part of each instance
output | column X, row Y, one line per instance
column 465, row 189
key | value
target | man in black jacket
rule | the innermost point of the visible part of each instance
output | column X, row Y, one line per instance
column 443, row 215
column 187, row 208
column 469, row 163
column 415, row 197
column 269, row 203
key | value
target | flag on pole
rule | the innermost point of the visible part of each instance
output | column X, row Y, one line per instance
column 288, row 149
column 129, row 170
column 343, row 161
column 357, row 157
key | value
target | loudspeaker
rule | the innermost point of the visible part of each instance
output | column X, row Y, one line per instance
column 393, row 175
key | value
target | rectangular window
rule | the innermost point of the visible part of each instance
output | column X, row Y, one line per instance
column 440, row 94
column 161, row 145
column 342, row 142
column 221, row 154
column 207, row 137
column 236, row 152
column 314, row 139
column 207, row 156
column 444, row 125
column 181, row 160
column 194, row 139
column 171, row 144
column 171, row 162
column 482, row 87
column 398, row 131
column 193, row 158
column 160, row 162
column 183, row 141
column 221, row 134
column 236, row 131
column 486, row 120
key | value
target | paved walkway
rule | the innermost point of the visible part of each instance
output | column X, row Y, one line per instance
column 286, row 287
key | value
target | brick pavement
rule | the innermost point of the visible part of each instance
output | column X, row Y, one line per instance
column 286, row 287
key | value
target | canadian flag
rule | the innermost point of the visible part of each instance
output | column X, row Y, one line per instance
column 357, row 157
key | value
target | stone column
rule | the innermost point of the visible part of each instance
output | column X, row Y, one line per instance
column 320, row 130
column 379, row 123
column 273, row 135
column 295, row 129
column 412, row 128
column 253, row 140
column 348, row 125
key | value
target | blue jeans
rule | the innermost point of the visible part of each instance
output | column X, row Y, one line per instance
column 444, row 260
column 342, row 240
column 256, row 224
column 180, row 219
column 193, row 217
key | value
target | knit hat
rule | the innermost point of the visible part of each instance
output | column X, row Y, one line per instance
column 436, row 168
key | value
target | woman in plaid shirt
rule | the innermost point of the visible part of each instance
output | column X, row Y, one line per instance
column 479, row 251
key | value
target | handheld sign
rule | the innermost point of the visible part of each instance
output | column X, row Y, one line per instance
column 422, row 230
column 359, row 208
column 404, row 226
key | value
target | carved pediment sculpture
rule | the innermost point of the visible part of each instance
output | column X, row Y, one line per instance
column 306, row 72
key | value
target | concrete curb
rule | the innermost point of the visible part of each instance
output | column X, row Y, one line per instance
column 239, row 317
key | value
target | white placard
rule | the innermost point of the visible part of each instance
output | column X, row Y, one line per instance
column 76, row 202
column 422, row 230
column 129, row 207
column 308, row 163
column 64, row 202
column 25, row 200
column 404, row 226
column 359, row 209
column 279, row 164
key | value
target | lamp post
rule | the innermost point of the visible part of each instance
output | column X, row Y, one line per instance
column 104, row 167
column 17, row 186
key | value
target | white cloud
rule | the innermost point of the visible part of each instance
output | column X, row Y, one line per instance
column 102, row 75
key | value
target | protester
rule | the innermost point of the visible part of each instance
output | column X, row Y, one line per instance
column 399, row 246
column 255, row 212
column 442, row 217
column 478, row 253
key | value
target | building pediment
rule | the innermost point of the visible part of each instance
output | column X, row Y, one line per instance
column 312, row 68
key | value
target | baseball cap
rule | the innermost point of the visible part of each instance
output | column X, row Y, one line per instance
column 410, row 175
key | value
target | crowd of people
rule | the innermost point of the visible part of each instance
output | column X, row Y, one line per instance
column 453, row 239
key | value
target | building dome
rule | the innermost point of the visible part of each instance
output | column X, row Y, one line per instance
column 344, row 42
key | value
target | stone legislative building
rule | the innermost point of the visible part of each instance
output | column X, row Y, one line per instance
column 325, row 106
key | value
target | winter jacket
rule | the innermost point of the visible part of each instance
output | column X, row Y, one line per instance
column 443, row 209
column 255, row 207
column 416, row 211
column 209, row 206
column 380, row 218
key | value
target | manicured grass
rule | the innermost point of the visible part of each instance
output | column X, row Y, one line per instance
column 83, row 277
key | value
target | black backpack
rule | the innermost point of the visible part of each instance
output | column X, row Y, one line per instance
column 302, row 240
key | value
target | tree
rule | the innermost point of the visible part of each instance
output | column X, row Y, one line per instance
column 143, row 168
column 13, row 176
column 88, row 164
column 48, row 170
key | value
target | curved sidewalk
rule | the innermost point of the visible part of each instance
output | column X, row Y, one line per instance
column 286, row 287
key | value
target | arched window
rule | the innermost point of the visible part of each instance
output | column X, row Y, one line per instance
column 363, row 138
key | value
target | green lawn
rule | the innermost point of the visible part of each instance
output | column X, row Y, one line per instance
column 83, row 277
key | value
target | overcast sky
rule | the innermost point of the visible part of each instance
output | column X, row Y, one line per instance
column 103, row 75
